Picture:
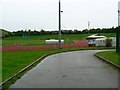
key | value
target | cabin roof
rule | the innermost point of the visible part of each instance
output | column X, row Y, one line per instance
column 95, row 36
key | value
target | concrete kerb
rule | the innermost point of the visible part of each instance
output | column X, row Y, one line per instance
column 107, row 61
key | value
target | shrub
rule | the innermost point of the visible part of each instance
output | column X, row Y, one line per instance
column 108, row 42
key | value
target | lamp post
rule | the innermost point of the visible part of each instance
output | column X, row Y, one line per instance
column 59, row 45
column 118, row 31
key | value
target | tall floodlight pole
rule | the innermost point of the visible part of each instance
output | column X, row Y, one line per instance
column 118, row 32
column 59, row 25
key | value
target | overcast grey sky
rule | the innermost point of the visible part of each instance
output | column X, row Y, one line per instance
column 43, row 14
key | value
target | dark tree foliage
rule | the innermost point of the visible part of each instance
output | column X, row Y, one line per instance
column 43, row 32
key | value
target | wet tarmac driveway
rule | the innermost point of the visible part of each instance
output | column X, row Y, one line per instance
column 79, row 69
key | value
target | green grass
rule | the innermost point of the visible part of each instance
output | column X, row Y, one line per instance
column 0, row 42
column 44, row 37
column 112, row 56
column 40, row 39
column 30, row 42
column 14, row 61
column 23, row 42
column 109, row 34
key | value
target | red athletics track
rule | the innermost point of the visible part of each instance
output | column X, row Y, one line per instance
column 78, row 43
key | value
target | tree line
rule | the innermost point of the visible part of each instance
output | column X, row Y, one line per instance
column 43, row 32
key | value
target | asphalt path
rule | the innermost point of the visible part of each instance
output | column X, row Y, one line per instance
column 79, row 69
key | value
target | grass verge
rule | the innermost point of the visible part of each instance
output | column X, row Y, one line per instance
column 111, row 56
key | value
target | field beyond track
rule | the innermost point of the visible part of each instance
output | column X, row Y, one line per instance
column 39, row 40
column 16, row 43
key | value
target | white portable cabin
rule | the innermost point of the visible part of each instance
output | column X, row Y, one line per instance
column 53, row 41
column 92, row 39
column 100, row 42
